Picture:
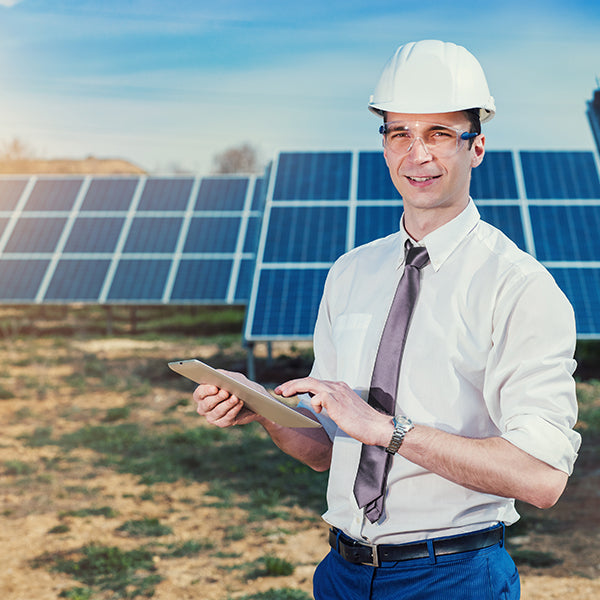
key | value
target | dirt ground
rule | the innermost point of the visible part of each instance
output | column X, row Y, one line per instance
column 34, row 504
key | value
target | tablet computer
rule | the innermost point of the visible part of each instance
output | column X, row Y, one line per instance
column 264, row 404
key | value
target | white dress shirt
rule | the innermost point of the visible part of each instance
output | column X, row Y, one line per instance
column 489, row 353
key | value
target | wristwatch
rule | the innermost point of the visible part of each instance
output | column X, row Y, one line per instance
column 402, row 425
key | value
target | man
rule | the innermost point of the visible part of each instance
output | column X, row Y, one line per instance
column 483, row 406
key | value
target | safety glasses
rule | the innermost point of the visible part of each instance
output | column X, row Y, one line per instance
column 441, row 140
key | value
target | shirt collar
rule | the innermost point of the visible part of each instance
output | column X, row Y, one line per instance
column 442, row 242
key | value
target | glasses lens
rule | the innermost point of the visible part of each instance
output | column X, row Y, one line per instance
column 440, row 140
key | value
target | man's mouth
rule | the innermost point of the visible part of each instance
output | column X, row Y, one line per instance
column 422, row 179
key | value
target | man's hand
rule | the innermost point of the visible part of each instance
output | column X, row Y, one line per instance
column 221, row 408
column 349, row 411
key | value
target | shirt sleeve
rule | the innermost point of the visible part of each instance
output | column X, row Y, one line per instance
column 529, row 386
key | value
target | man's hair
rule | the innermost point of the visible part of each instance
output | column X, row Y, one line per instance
column 472, row 115
column 474, row 119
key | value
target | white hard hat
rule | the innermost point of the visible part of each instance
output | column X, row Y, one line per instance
column 432, row 77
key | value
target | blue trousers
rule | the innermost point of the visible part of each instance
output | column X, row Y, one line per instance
column 487, row 574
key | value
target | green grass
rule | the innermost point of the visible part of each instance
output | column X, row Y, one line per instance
column 128, row 574
column 77, row 593
column 62, row 528
column 103, row 511
column 226, row 459
column 270, row 566
column 18, row 467
column 5, row 393
column 119, row 413
column 188, row 548
column 146, row 527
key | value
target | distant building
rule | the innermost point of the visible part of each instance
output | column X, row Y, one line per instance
column 593, row 113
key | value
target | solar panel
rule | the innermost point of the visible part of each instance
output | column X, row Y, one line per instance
column 77, row 280
column 566, row 233
column 319, row 205
column 313, row 176
column 53, row 194
column 581, row 286
column 153, row 234
column 10, row 192
column 20, row 279
column 129, row 239
column 94, row 235
column 35, row 235
column 163, row 193
column 110, row 194
column 560, row 175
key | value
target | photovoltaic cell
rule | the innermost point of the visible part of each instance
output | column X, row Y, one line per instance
column 374, row 181
column 373, row 222
column 212, row 234
column 77, row 280
column 20, row 279
column 206, row 280
column 54, row 194
column 140, row 280
column 507, row 219
column 35, row 235
column 581, row 287
column 306, row 234
column 288, row 302
column 244, row 285
column 252, row 234
column 153, row 234
column 494, row 178
column 566, row 232
column 110, row 194
column 218, row 193
column 313, row 176
column 10, row 192
column 166, row 194
column 99, row 234
column 560, row 175
column 260, row 192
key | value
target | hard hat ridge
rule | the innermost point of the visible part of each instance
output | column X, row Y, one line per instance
column 431, row 76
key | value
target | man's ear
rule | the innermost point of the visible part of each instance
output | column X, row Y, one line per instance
column 477, row 150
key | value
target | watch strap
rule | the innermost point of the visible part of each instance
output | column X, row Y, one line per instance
column 402, row 425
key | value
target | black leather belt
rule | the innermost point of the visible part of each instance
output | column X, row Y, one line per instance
column 373, row 555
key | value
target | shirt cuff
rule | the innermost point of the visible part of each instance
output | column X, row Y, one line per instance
column 545, row 441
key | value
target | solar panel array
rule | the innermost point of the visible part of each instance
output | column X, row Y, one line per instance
column 128, row 239
column 321, row 204
column 270, row 241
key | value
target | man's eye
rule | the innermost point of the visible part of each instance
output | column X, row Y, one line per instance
column 441, row 134
column 398, row 134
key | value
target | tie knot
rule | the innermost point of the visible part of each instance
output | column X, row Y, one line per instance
column 416, row 256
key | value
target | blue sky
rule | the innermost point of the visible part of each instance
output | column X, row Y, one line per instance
column 165, row 83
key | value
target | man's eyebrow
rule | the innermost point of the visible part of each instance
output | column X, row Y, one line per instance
column 394, row 125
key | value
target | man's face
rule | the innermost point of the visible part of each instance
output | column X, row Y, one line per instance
column 425, row 180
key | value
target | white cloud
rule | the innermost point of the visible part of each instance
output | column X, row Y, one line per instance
column 9, row 3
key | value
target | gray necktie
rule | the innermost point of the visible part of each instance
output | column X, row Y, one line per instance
column 375, row 462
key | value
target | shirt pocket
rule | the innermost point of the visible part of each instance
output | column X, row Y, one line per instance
column 350, row 335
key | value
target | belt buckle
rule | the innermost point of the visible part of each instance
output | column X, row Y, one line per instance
column 374, row 555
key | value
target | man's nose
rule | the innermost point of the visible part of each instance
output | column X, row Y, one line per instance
column 418, row 150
